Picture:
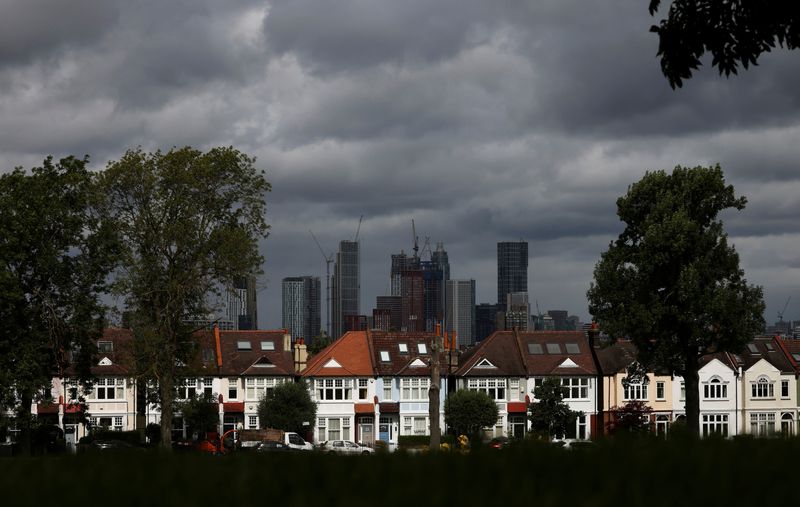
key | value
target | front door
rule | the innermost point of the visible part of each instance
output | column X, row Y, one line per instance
column 385, row 429
column 367, row 436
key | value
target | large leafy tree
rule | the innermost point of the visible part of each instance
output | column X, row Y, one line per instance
column 55, row 255
column 200, row 413
column 735, row 32
column 549, row 414
column 288, row 407
column 189, row 223
column 671, row 282
column 467, row 412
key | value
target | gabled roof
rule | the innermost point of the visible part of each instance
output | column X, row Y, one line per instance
column 403, row 354
column 616, row 357
column 273, row 360
column 501, row 350
column 350, row 352
column 769, row 349
column 117, row 361
column 556, row 347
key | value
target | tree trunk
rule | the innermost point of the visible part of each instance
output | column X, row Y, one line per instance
column 691, row 380
column 166, row 391
column 433, row 394
column 24, row 422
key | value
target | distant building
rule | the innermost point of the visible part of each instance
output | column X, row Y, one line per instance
column 394, row 306
column 512, row 269
column 518, row 311
column 345, row 286
column 485, row 320
column 356, row 323
column 412, row 295
column 381, row 319
column 301, row 306
column 559, row 319
column 241, row 305
column 461, row 310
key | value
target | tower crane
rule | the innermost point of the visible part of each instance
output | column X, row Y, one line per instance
column 780, row 313
column 358, row 229
column 415, row 238
column 328, row 259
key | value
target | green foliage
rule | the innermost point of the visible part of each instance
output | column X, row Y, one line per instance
column 55, row 257
column 287, row 407
column 131, row 437
column 422, row 441
column 550, row 416
column 200, row 414
column 670, row 282
column 152, row 433
column 467, row 412
column 319, row 343
column 735, row 32
column 189, row 223
column 631, row 418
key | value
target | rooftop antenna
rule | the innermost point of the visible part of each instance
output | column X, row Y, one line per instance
column 328, row 259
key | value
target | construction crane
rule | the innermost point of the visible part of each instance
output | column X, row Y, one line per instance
column 328, row 259
column 780, row 313
column 415, row 238
column 358, row 229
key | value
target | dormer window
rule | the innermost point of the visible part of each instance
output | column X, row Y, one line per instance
column 268, row 345
column 243, row 345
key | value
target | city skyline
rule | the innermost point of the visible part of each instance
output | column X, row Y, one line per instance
column 508, row 120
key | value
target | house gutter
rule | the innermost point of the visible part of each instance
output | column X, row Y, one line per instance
column 592, row 335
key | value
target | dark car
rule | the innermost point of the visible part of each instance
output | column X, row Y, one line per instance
column 499, row 443
column 272, row 446
column 110, row 445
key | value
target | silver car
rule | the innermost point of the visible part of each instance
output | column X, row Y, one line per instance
column 345, row 447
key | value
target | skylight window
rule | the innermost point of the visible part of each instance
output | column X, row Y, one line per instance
column 572, row 348
column 268, row 345
column 105, row 346
column 385, row 356
column 796, row 357
column 535, row 348
column 423, row 349
column 553, row 348
column 769, row 346
column 243, row 345
column 403, row 348
column 752, row 348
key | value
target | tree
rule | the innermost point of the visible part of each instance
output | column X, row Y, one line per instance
column 55, row 257
column 632, row 418
column 670, row 282
column 467, row 412
column 550, row 416
column 288, row 407
column 735, row 32
column 318, row 343
column 200, row 413
column 189, row 224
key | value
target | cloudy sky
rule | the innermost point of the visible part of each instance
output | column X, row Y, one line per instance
column 483, row 121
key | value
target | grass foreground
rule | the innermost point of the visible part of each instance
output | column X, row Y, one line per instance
column 610, row 473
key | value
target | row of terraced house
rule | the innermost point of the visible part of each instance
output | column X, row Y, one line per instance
column 373, row 385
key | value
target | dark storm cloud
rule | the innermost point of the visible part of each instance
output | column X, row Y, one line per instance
column 33, row 29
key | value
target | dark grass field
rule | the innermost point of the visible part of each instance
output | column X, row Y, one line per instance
column 615, row 473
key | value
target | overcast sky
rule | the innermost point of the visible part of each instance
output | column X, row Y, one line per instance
column 484, row 121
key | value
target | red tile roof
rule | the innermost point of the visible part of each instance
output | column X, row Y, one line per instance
column 350, row 352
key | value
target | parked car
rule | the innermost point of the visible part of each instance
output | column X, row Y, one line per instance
column 345, row 447
column 274, row 446
column 499, row 443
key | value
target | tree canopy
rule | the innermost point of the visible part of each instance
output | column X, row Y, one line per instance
column 549, row 414
column 671, row 282
column 288, row 407
column 189, row 223
column 735, row 32
column 200, row 413
column 55, row 256
column 467, row 412
column 631, row 418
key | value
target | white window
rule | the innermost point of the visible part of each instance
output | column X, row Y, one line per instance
column 513, row 387
column 207, row 385
column 268, row 345
column 762, row 423
column 715, row 424
column 763, row 388
column 662, row 425
column 334, row 428
column 252, row 422
column 683, row 390
column 715, row 389
column 385, row 356
column 118, row 423
column 423, row 349
column 414, row 388
column 334, row 389
column 784, row 388
column 363, row 384
column 582, row 427
column 187, row 388
column 403, row 348
column 109, row 389
column 415, row 425
column 233, row 388
column 577, row 388
column 634, row 390
column 787, row 424
column 258, row 387
column 494, row 387
column 387, row 389
column 660, row 390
